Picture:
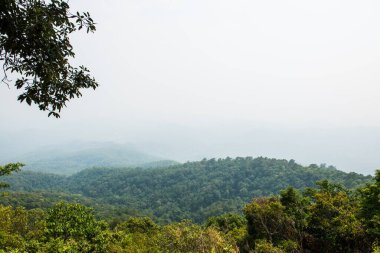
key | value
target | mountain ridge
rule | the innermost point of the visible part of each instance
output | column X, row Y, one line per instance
column 193, row 190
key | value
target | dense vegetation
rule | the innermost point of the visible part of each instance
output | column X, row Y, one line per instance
column 194, row 190
column 328, row 218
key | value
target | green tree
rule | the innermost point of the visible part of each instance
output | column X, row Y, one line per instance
column 333, row 220
column 137, row 225
column 296, row 208
column 370, row 207
column 262, row 246
column 268, row 221
column 9, row 236
column 71, row 221
column 20, row 228
column 227, row 222
column 35, row 47
column 75, row 226
column 187, row 237
column 232, row 225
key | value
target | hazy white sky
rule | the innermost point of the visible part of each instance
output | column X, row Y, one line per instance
column 293, row 64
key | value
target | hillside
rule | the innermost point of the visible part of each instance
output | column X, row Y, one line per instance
column 194, row 190
column 74, row 157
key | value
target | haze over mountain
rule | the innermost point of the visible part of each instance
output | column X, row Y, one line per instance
column 348, row 149
column 75, row 156
column 193, row 79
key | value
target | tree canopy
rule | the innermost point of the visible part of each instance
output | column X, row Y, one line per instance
column 194, row 190
column 328, row 218
column 35, row 49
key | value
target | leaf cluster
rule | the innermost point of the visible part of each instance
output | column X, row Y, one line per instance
column 35, row 47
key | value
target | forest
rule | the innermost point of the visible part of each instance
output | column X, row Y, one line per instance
column 193, row 190
column 328, row 217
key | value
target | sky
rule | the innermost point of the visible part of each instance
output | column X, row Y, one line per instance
column 189, row 79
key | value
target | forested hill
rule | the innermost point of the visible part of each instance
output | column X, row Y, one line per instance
column 193, row 190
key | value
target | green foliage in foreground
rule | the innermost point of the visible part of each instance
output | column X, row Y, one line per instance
column 73, row 228
column 329, row 218
column 45, row 200
column 194, row 190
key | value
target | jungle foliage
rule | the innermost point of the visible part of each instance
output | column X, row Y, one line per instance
column 194, row 190
column 326, row 218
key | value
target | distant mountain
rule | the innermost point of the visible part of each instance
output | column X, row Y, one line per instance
column 76, row 156
column 193, row 190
